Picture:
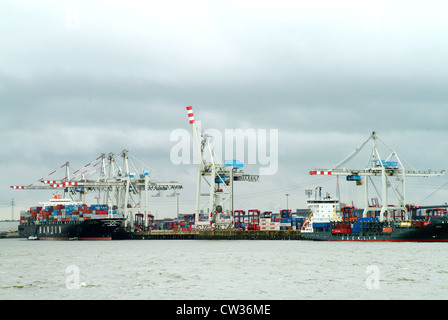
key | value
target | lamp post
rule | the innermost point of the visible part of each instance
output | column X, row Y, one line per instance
column 287, row 205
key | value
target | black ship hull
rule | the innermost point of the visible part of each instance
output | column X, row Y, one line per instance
column 93, row 229
column 436, row 231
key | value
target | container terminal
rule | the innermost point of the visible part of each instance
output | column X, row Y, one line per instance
column 122, row 209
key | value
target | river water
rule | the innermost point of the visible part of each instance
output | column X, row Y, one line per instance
column 221, row 269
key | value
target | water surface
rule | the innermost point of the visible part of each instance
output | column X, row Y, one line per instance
column 221, row 269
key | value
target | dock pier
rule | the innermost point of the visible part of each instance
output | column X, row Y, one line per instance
column 217, row 235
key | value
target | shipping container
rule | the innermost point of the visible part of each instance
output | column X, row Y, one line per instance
column 233, row 163
column 321, row 224
column 341, row 231
column 367, row 219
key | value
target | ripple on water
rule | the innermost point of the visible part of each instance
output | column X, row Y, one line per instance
column 221, row 270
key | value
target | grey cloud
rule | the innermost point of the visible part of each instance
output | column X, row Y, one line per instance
column 324, row 74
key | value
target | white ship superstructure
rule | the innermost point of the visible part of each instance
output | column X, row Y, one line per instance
column 324, row 210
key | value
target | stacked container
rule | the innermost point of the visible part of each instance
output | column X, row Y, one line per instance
column 285, row 224
column 267, row 224
column 64, row 213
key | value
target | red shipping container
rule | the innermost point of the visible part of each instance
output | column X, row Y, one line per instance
column 341, row 231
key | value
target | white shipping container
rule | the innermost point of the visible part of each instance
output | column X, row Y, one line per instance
column 25, row 214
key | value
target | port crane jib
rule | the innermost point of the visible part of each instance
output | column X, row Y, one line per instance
column 219, row 179
column 391, row 166
column 121, row 186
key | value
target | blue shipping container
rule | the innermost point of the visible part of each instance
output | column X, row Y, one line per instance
column 321, row 225
column 367, row 219
column 233, row 163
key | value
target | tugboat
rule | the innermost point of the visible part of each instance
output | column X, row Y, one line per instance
column 64, row 219
column 327, row 223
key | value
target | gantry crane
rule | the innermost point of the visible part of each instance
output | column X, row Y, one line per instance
column 219, row 179
column 119, row 186
column 386, row 168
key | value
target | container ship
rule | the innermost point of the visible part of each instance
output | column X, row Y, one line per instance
column 385, row 222
column 327, row 223
column 122, row 197
column 64, row 219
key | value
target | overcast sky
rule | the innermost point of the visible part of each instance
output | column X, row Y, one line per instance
column 81, row 78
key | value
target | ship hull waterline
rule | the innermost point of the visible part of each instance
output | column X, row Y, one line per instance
column 95, row 229
column 434, row 232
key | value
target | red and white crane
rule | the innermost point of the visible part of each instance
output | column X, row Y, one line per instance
column 218, row 178
column 121, row 186
column 386, row 168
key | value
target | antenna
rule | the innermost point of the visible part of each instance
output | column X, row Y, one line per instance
column 12, row 209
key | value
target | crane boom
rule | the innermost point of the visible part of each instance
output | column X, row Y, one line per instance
column 218, row 178
column 392, row 166
column 125, row 189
